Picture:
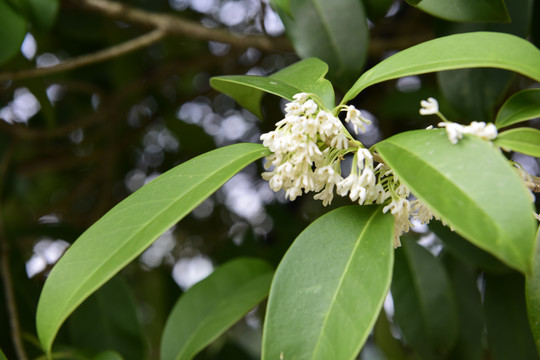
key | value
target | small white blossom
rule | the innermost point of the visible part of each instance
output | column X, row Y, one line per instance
column 453, row 130
column 309, row 145
column 340, row 141
column 482, row 130
column 354, row 116
column 309, row 107
column 429, row 106
column 301, row 97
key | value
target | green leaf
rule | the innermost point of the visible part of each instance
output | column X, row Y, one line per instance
column 424, row 304
column 282, row 5
column 464, row 281
column 2, row 355
column 506, row 318
column 130, row 227
column 304, row 76
column 12, row 31
column 108, row 355
column 43, row 13
column 330, row 286
column 522, row 106
column 477, row 49
column 466, row 10
column 475, row 92
column 466, row 251
column 532, row 295
column 413, row 2
column 334, row 31
column 523, row 140
column 384, row 340
column 108, row 320
column 377, row 9
column 213, row 305
column 470, row 185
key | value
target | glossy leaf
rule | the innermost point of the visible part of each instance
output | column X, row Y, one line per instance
column 333, row 31
column 384, row 340
column 470, row 185
column 377, row 9
column 522, row 106
column 282, row 5
column 475, row 92
column 523, row 140
column 477, row 49
column 328, row 289
column 108, row 355
column 130, row 227
column 466, row 10
column 304, row 76
column 424, row 304
column 466, row 251
column 43, row 12
column 464, row 283
column 12, row 31
column 108, row 320
column 532, row 295
column 506, row 318
column 213, row 305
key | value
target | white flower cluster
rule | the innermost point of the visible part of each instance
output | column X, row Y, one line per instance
column 482, row 130
column 308, row 147
column 454, row 130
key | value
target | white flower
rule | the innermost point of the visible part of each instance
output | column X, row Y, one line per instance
column 454, row 131
column 421, row 212
column 482, row 130
column 301, row 97
column 429, row 106
column 364, row 158
column 292, row 193
column 326, row 195
column 309, row 107
column 331, row 127
column 354, row 116
column 344, row 185
column 340, row 141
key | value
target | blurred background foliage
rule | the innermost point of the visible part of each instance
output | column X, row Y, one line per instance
column 98, row 98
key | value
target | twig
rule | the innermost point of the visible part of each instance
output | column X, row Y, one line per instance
column 175, row 25
column 165, row 24
column 102, row 55
column 6, row 272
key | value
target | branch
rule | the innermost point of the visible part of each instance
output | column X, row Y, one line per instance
column 175, row 25
column 6, row 272
column 165, row 24
column 102, row 55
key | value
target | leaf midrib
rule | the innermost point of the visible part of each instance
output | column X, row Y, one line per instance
column 336, row 292
column 446, row 180
column 201, row 324
column 332, row 39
